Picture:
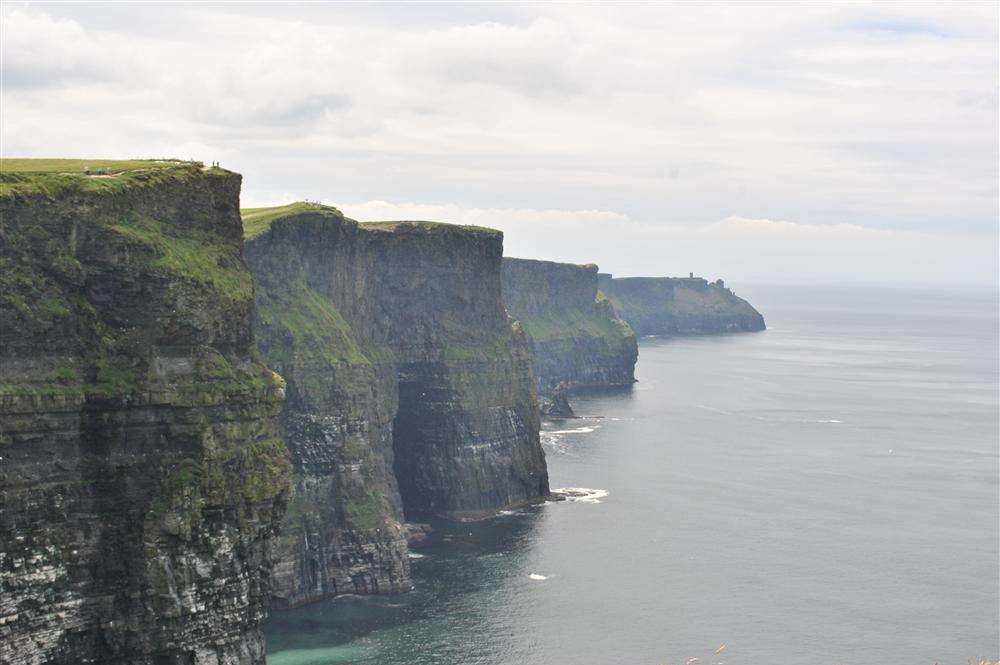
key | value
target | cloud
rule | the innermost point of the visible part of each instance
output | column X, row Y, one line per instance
column 371, row 211
column 881, row 116
column 736, row 226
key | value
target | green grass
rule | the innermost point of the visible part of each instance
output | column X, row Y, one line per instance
column 313, row 326
column 569, row 323
column 52, row 178
column 427, row 226
column 81, row 166
column 191, row 256
column 258, row 220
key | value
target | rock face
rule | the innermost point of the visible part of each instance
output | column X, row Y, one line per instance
column 409, row 389
column 142, row 475
column 679, row 306
column 576, row 338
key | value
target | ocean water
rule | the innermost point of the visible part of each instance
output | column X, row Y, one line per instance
column 823, row 492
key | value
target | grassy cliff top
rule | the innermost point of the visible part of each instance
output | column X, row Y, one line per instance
column 84, row 166
column 548, row 264
column 432, row 227
column 633, row 296
column 23, row 177
column 258, row 220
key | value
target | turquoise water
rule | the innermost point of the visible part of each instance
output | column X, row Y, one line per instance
column 823, row 492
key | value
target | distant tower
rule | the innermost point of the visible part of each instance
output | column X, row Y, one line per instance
column 690, row 275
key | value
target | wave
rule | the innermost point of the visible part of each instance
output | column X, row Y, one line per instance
column 580, row 494
column 508, row 513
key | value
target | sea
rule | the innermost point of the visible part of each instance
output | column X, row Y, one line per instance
column 822, row 492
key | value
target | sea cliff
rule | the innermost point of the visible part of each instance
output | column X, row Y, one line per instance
column 409, row 389
column 679, row 305
column 142, row 475
column 577, row 339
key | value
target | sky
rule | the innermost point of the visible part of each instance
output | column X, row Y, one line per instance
column 763, row 143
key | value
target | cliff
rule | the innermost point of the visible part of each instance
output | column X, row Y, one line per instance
column 576, row 338
column 409, row 390
column 142, row 476
column 679, row 305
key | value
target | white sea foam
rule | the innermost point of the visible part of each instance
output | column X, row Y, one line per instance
column 536, row 576
column 581, row 494
column 578, row 430
column 829, row 420
column 508, row 513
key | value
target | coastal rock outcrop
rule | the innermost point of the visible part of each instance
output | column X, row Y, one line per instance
column 142, row 475
column 409, row 390
column 679, row 305
column 577, row 339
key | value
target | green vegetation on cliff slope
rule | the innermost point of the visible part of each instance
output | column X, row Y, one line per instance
column 301, row 322
column 299, row 329
column 36, row 165
column 258, row 220
column 420, row 225
column 190, row 254
column 559, row 323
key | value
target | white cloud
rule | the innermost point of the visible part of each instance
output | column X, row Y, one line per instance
column 878, row 115
column 493, row 217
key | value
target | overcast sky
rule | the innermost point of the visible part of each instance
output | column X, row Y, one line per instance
column 770, row 143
